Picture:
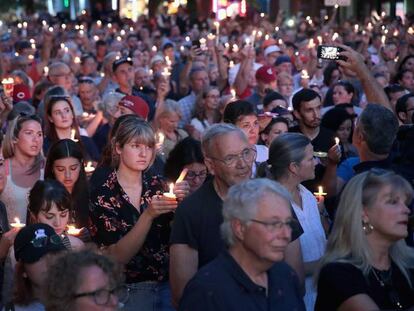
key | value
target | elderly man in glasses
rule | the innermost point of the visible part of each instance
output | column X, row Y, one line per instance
column 250, row 275
column 195, row 236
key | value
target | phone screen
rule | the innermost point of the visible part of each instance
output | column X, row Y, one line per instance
column 328, row 52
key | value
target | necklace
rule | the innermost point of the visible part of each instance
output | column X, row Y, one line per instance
column 384, row 279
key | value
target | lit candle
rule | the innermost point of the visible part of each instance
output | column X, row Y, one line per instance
column 50, row 29
column 72, row 230
column 211, row 37
column 320, row 192
column 370, row 27
column 161, row 138
column 337, row 141
column 17, row 223
column 170, row 194
column 411, row 31
column 203, row 43
column 233, row 93
column 166, row 73
column 335, row 36
column 8, row 85
column 89, row 167
column 235, row 48
column 99, row 23
column 154, row 49
column 46, row 70
column 77, row 60
column 85, row 114
column 311, row 44
column 304, row 74
column 182, row 175
column 63, row 26
column 217, row 25
column 72, row 135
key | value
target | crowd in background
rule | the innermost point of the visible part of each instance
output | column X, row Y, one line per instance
column 193, row 164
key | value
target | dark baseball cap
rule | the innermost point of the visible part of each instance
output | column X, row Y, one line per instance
column 118, row 62
column 35, row 241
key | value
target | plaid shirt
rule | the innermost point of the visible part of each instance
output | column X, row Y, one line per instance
column 187, row 105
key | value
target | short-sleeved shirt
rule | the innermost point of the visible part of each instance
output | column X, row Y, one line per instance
column 197, row 223
column 340, row 281
column 222, row 285
column 112, row 216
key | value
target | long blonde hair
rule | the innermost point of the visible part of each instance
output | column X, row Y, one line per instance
column 348, row 242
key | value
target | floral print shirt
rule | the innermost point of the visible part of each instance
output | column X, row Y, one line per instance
column 112, row 216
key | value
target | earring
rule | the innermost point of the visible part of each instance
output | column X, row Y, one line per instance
column 367, row 227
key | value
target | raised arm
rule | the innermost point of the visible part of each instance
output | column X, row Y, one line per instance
column 354, row 66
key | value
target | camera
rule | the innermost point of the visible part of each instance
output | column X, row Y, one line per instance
column 330, row 52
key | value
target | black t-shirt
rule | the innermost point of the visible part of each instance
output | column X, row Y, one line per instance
column 322, row 143
column 340, row 281
column 197, row 223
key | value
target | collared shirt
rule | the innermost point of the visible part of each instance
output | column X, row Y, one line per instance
column 187, row 105
column 223, row 285
column 112, row 216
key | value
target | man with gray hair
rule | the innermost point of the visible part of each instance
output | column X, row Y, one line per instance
column 251, row 274
column 195, row 237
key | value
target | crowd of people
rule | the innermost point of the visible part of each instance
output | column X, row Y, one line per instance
column 194, row 164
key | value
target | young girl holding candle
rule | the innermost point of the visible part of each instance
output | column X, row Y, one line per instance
column 22, row 148
column 60, row 123
column 50, row 203
column 130, row 217
column 65, row 164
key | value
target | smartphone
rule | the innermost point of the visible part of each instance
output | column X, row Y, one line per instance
column 330, row 52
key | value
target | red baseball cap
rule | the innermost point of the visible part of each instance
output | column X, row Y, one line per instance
column 21, row 92
column 266, row 74
column 136, row 104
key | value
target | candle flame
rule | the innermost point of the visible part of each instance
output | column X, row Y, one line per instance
column 337, row 140
column 171, row 188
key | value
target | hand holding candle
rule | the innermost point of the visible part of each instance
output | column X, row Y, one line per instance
column 170, row 194
column 8, row 85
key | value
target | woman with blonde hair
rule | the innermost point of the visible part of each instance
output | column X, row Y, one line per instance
column 22, row 151
column 367, row 265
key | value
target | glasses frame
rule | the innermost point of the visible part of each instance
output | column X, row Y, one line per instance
column 233, row 162
column 108, row 293
column 277, row 225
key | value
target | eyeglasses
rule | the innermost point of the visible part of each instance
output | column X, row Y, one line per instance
column 247, row 155
column 101, row 296
column 274, row 226
column 192, row 175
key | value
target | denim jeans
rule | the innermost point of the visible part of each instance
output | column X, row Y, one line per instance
column 149, row 296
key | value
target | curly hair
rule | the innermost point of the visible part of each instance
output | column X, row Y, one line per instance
column 66, row 275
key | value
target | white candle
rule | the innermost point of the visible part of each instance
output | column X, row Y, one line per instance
column 72, row 230
column 17, row 223
column 170, row 194
column 72, row 135
column 337, row 141
column 89, row 167
column 304, row 74
column 320, row 192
